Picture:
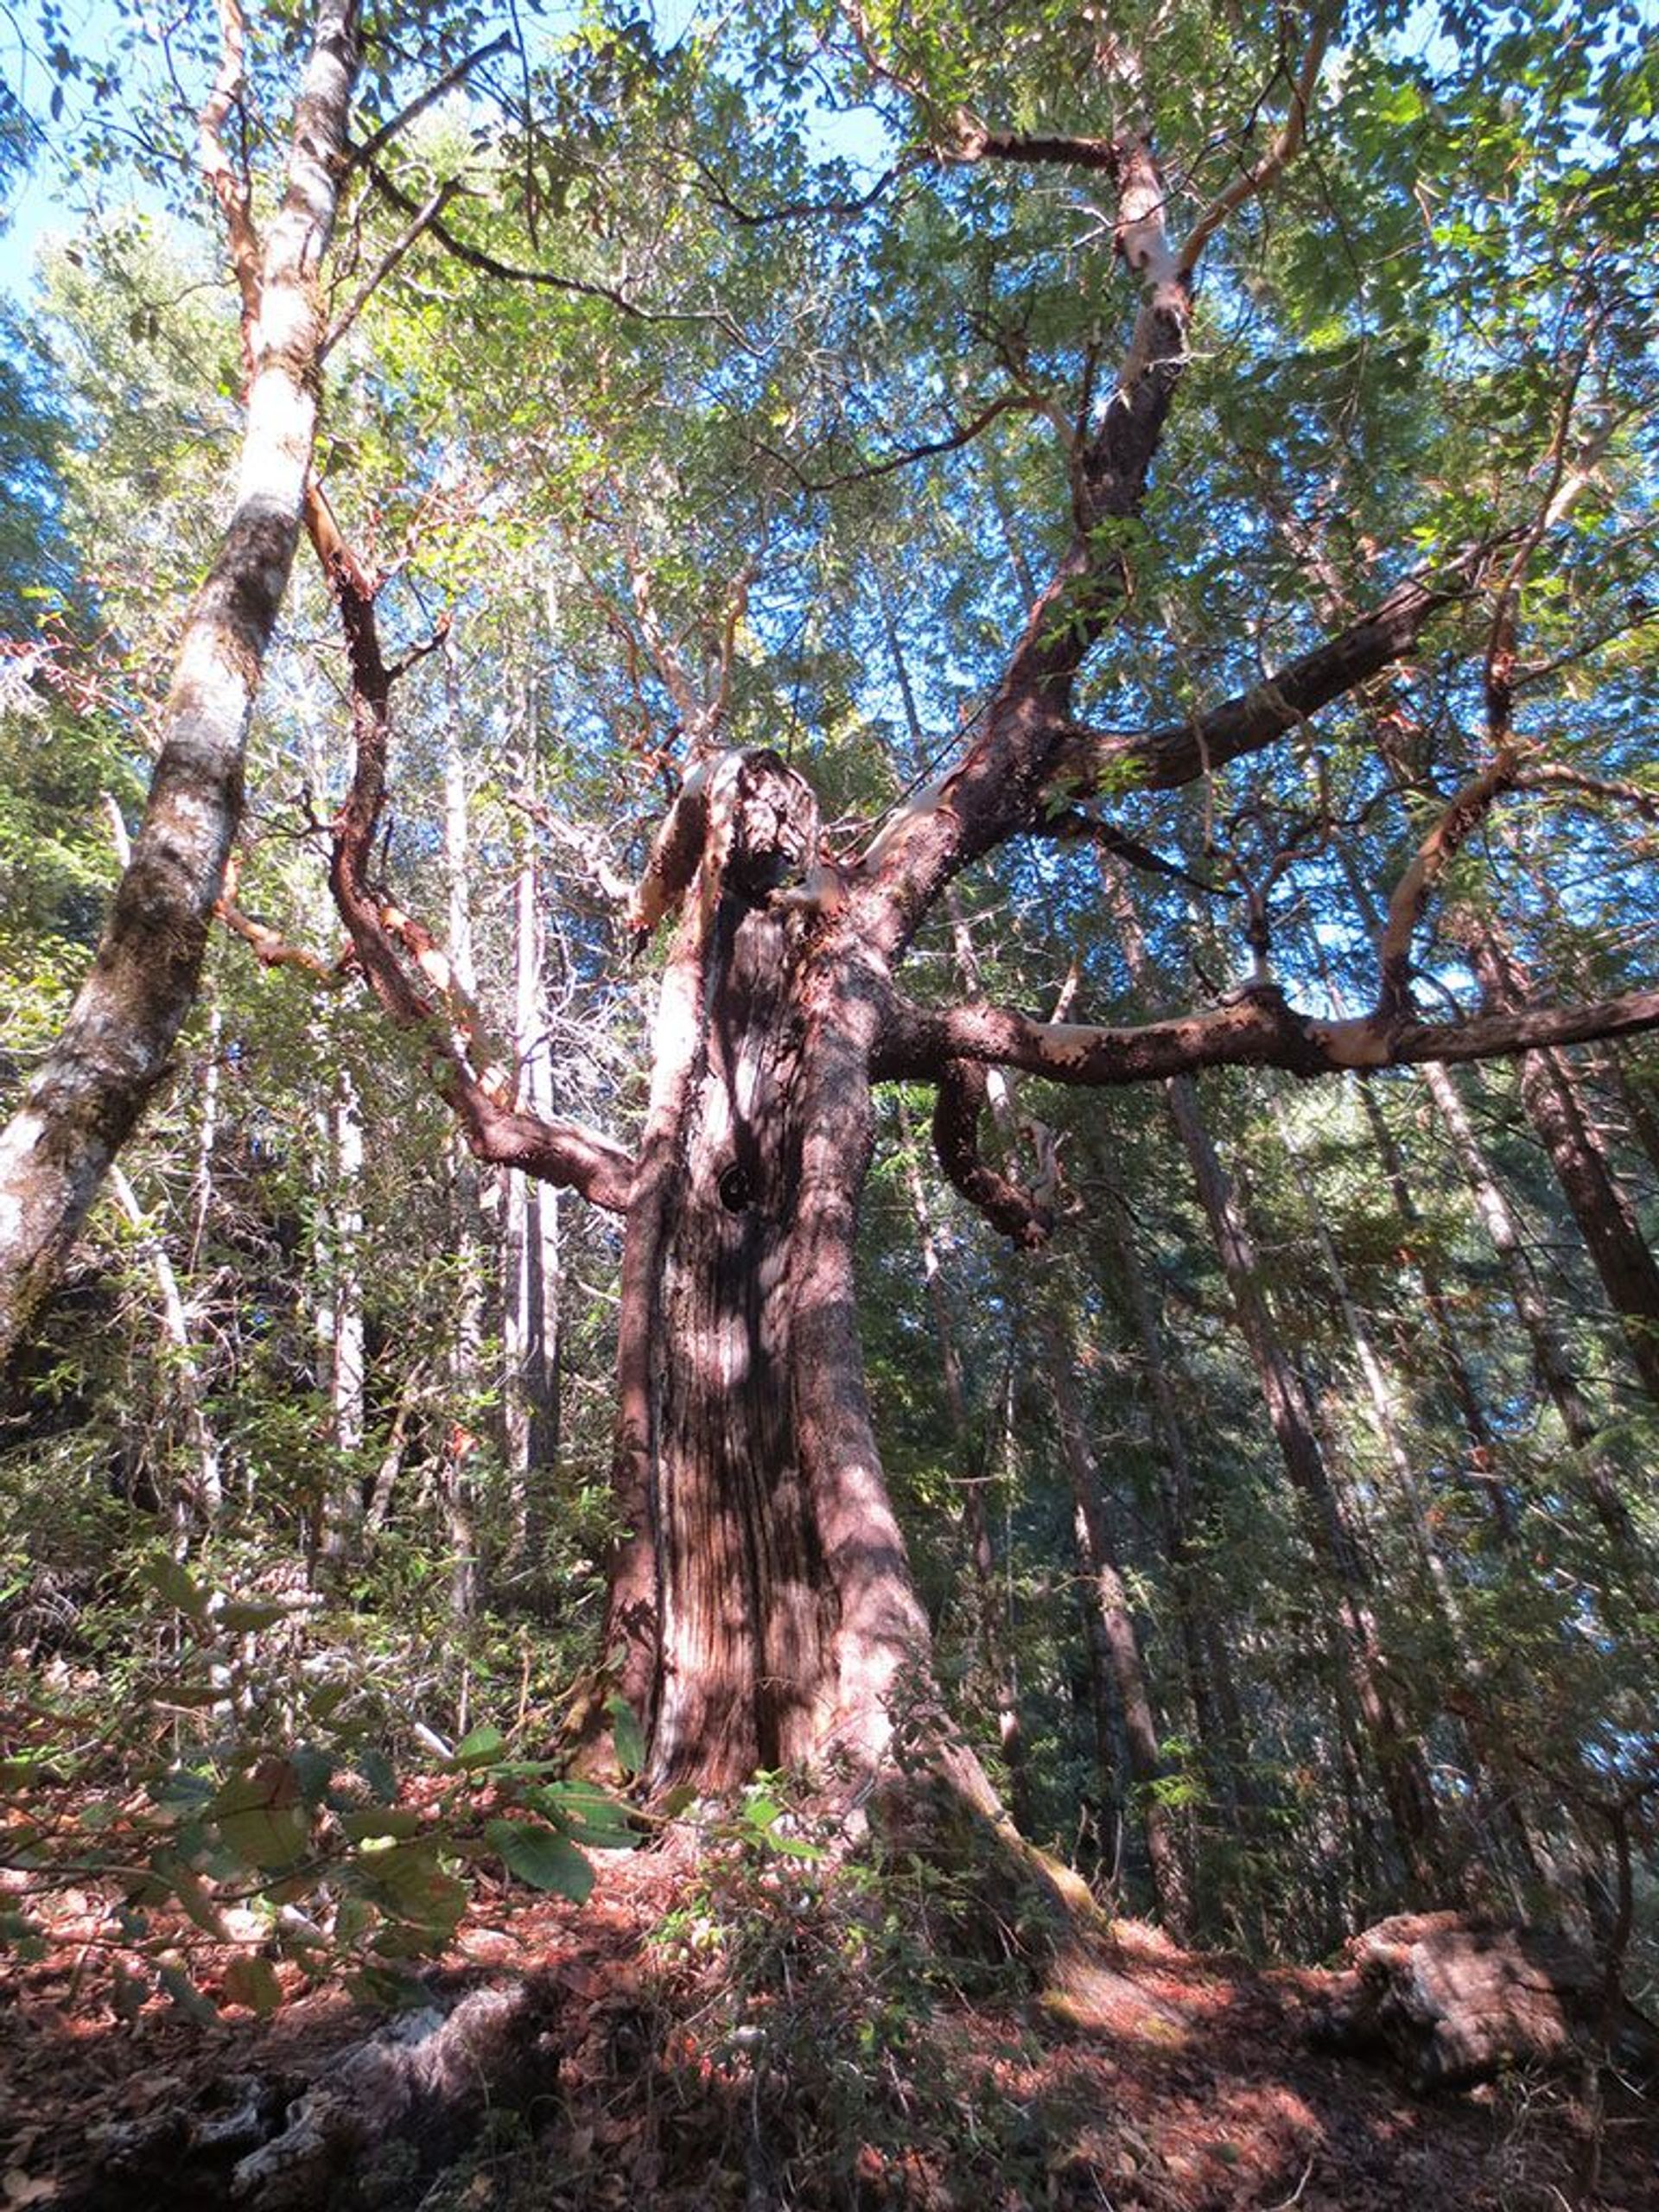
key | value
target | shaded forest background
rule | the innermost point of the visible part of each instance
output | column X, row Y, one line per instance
column 1285, row 1522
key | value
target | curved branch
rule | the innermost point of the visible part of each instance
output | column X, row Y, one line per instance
column 395, row 950
column 1017, row 403
column 1016, row 1212
column 1467, row 808
column 1253, row 182
column 1554, row 778
column 510, row 272
column 996, row 787
column 790, row 211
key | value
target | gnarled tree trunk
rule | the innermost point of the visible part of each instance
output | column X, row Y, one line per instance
column 763, row 1604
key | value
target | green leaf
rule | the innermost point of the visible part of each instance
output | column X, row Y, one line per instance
column 406, row 1881
column 314, row 1770
column 261, row 1818
column 181, row 1791
column 542, row 1857
column 127, row 1992
column 194, row 2003
column 251, row 1980
column 368, row 1822
column 174, row 1585
column 587, row 1814
column 241, row 1615
column 481, row 1747
column 626, row 1734
column 794, row 1846
column 193, row 1893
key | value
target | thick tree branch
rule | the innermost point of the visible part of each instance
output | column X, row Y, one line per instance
column 675, row 854
column 1556, row 778
column 1259, row 1028
column 268, row 945
column 975, row 142
column 1179, row 752
column 997, row 789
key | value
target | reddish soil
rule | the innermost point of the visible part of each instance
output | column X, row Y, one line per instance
column 733, row 2040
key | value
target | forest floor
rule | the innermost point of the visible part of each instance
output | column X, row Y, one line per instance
column 713, row 2030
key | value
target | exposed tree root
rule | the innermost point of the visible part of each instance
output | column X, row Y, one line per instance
column 394, row 2108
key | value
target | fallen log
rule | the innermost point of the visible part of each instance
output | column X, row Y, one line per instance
column 1453, row 2001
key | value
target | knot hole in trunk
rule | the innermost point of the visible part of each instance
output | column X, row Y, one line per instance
column 736, row 1187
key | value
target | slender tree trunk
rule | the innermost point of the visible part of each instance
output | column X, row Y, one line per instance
column 991, row 1627
column 1485, row 1476
column 204, row 1494
column 1635, row 1096
column 202, row 1183
column 1401, row 1770
column 1222, row 1737
column 117, row 1045
column 530, row 1261
column 338, row 1318
column 1505, row 1817
column 1403, row 1775
column 467, row 1381
column 1103, row 1816
column 1379, row 1394
column 1555, row 1104
column 1550, row 1361
column 1121, row 1643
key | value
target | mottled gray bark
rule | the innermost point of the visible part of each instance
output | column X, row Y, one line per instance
column 116, row 1047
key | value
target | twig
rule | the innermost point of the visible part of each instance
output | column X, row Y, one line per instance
column 389, row 260
column 361, row 157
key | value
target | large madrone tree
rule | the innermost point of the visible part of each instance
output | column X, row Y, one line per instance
column 763, row 1611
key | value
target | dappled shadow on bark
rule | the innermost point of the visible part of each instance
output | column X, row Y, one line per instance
column 740, row 2027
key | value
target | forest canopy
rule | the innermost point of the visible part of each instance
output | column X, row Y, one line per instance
column 827, row 918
